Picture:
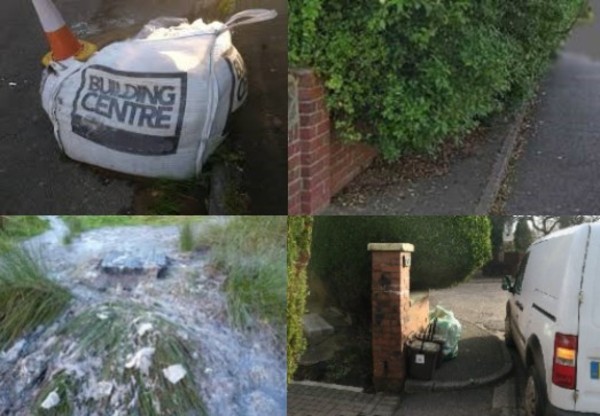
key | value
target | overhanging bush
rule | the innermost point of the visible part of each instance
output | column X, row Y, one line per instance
column 447, row 251
column 299, row 239
column 407, row 74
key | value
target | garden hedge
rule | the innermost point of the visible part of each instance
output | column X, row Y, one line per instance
column 298, row 254
column 406, row 75
column 447, row 251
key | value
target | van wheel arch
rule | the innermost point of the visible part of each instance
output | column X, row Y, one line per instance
column 534, row 355
column 536, row 372
column 508, row 331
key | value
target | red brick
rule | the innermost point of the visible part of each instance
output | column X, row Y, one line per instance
column 312, row 119
column 314, row 155
column 310, row 93
column 307, row 133
column 323, row 126
column 294, row 207
column 308, row 107
column 295, row 187
column 306, row 77
column 294, row 174
column 293, row 148
column 294, row 159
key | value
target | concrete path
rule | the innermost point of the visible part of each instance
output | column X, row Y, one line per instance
column 457, row 192
column 559, row 169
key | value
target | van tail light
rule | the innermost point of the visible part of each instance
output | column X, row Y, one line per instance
column 564, row 365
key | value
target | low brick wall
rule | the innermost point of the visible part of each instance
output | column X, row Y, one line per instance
column 418, row 315
column 319, row 165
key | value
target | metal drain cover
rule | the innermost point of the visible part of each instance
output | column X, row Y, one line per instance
column 152, row 264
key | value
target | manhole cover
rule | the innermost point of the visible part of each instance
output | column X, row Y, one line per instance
column 127, row 268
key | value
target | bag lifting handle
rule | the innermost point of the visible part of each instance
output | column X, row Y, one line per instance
column 247, row 17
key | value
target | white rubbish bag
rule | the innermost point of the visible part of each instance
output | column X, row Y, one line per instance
column 448, row 328
column 155, row 105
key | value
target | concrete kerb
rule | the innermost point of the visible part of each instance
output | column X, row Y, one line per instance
column 414, row 386
column 328, row 386
column 500, row 168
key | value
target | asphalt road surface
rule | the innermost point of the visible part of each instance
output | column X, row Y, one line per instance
column 36, row 179
column 561, row 163
column 483, row 303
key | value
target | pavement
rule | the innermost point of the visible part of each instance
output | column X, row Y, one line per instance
column 482, row 359
column 469, row 186
column 317, row 399
column 481, row 371
column 557, row 172
column 36, row 179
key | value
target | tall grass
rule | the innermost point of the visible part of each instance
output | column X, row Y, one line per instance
column 110, row 332
column 22, row 226
column 252, row 252
column 186, row 237
column 27, row 297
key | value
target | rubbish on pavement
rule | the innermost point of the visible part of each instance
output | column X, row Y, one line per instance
column 431, row 336
column 449, row 329
column 155, row 105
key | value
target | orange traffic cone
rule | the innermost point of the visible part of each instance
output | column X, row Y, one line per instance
column 63, row 43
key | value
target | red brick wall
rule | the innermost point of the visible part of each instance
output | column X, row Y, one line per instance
column 347, row 161
column 418, row 317
column 395, row 320
column 318, row 165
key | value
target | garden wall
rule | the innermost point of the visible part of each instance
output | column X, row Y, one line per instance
column 319, row 165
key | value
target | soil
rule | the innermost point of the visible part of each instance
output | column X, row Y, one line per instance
column 350, row 366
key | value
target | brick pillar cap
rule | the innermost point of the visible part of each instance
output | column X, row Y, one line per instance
column 405, row 247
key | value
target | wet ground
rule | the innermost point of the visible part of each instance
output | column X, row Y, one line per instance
column 36, row 179
column 236, row 373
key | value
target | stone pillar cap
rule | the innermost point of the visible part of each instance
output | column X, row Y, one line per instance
column 405, row 247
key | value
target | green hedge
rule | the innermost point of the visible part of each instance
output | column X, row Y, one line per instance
column 447, row 251
column 299, row 240
column 408, row 74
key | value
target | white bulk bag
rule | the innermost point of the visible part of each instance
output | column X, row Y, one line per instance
column 155, row 105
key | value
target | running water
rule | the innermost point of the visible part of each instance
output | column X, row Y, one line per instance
column 236, row 373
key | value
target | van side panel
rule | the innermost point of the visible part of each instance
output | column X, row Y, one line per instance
column 552, row 284
column 588, row 358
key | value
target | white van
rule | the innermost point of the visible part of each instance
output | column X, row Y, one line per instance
column 553, row 319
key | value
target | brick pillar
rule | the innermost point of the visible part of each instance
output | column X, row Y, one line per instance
column 391, row 304
column 309, row 155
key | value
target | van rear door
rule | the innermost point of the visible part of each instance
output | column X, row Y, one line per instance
column 588, row 349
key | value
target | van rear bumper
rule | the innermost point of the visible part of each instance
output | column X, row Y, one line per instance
column 554, row 411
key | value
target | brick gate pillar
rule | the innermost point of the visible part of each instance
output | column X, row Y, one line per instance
column 390, row 304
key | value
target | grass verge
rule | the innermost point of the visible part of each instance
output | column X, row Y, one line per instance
column 27, row 297
column 252, row 252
